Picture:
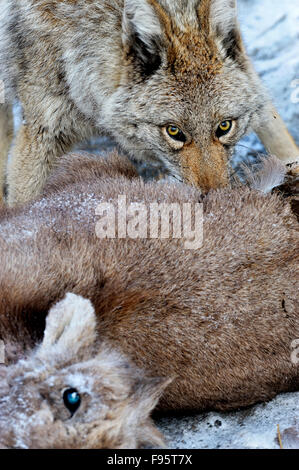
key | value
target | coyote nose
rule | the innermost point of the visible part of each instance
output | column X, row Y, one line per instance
column 205, row 169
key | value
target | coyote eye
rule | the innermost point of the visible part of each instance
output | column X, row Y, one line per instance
column 176, row 134
column 71, row 399
column 224, row 128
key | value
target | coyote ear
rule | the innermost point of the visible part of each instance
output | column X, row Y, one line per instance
column 142, row 35
column 225, row 27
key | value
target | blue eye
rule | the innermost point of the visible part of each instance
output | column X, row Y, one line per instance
column 71, row 399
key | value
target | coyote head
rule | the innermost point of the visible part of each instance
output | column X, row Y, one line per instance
column 188, row 92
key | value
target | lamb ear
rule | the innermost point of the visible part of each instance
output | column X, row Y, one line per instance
column 148, row 392
column 70, row 330
column 225, row 28
column 142, row 35
column 150, row 438
column 146, row 397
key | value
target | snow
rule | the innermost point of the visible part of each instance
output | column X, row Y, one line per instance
column 271, row 34
column 252, row 428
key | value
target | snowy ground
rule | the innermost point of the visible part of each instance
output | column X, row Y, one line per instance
column 271, row 32
column 253, row 428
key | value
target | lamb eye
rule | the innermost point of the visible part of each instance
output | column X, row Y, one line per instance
column 71, row 399
column 224, row 128
column 176, row 134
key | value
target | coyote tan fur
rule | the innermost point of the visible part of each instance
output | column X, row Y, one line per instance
column 218, row 321
column 168, row 79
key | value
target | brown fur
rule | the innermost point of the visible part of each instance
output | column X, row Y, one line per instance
column 290, row 188
column 218, row 320
column 205, row 174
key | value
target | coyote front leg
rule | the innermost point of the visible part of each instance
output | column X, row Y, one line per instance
column 35, row 152
column 276, row 137
column 6, row 135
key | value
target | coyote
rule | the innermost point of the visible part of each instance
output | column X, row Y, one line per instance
column 215, row 323
column 168, row 79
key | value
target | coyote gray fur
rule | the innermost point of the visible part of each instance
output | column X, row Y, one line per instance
column 169, row 80
column 208, row 328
